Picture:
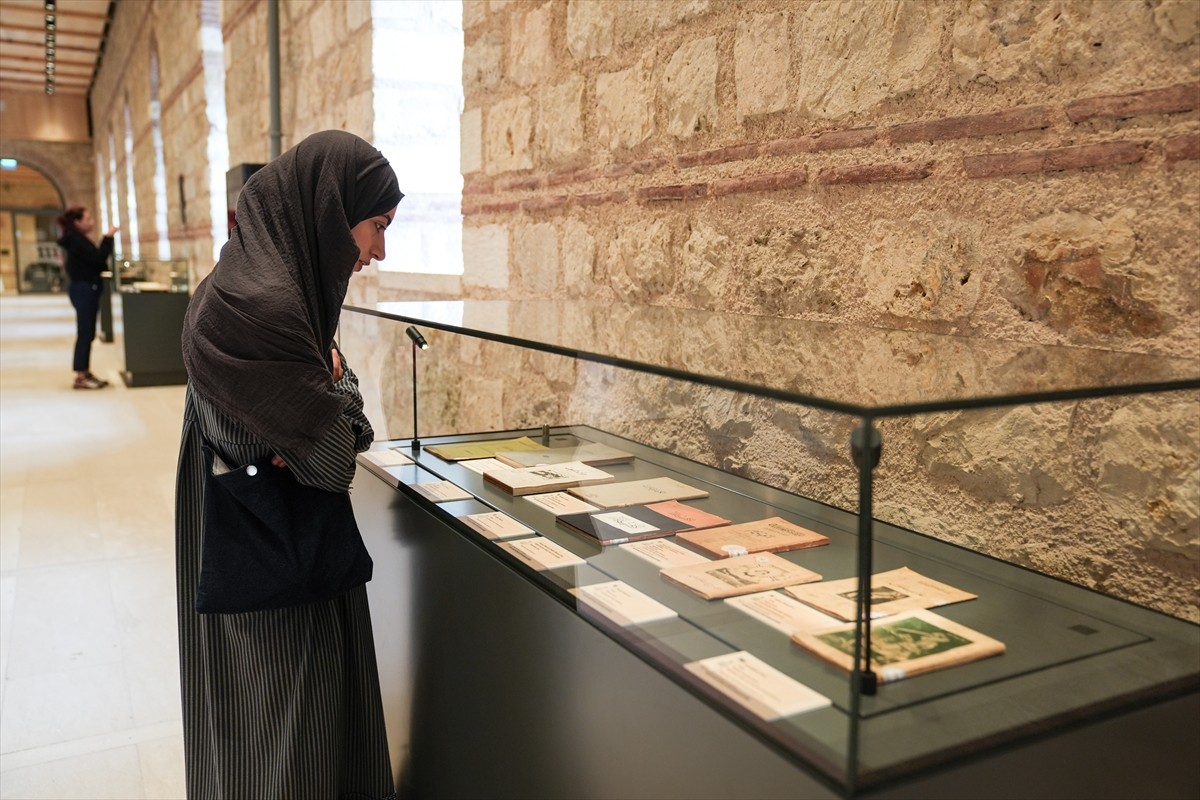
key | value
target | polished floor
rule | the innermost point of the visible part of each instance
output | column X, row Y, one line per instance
column 89, row 701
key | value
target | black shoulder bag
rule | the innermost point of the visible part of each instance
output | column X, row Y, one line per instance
column 273, row 542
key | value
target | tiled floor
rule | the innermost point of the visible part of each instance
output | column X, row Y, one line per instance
column 89, row 701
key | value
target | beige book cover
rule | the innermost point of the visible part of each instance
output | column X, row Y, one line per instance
column 892, row 592
column 461, row 451
column 548, row 478
column 772, row 535
column 728, row 577
column 904, row 645
column 591, row 453
column 636, row 493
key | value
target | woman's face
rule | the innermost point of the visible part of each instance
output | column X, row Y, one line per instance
column 368, row 235
column 86, row 223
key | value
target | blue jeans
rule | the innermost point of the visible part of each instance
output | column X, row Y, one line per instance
column 85, row 296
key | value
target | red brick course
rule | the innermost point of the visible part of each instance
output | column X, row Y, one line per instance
column 759, row 183
column 875, row 173
column 974, row 125
column 1059, row 158
column 599, row 198
column 689, row 191
column 520, row 183
column 1182, row 148
column 1168, row 100
column 721, row 155
column 817, row 142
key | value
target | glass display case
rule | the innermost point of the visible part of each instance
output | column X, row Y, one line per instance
column 154, row 298
column 555, row 437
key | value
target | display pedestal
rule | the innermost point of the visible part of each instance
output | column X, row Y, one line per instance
column 153, row 327
column 480, row 666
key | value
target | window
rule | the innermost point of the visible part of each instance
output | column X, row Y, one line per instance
column 417, row 53
column 213, row 50
column 160, row 169
column 130, row 191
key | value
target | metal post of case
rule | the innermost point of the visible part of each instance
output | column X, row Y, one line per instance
column 416, row 443
column 866, row 446
column 107, row 279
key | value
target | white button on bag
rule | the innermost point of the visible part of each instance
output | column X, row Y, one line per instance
column 251, row 470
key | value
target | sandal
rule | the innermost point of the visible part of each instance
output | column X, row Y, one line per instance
column 88, row 382
column 100, row 381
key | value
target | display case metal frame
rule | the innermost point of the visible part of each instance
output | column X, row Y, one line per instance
column 1158, row 653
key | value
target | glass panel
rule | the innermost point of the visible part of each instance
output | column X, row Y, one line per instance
column 152, row 275
column 1042, row 654
column 842, row 366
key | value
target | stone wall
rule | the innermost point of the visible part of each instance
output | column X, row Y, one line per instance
column 1009, row 171
column 1024, row 171
column 172, row 31
column 325, row 64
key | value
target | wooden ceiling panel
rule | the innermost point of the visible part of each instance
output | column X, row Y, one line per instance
column 78, row 28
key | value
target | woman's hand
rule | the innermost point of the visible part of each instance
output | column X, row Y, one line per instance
column 112, row 231
column 277, row 461
column 337, row 366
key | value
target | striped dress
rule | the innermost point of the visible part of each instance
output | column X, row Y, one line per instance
column 283, row 703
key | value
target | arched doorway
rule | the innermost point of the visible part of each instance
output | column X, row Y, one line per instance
column 30, row 261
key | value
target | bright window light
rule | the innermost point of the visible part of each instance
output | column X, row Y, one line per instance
column 417, row 57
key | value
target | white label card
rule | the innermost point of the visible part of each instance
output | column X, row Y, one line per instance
column 783, row 613
column 662, row 553
column 441, row 491
column 757, row 685
column 497, row 525
column 621, row 603
column 542, row 554
column 624, row 522
column 559, row 503
column 388, row 457
column 482, row 465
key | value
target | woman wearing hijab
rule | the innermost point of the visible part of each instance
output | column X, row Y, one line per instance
column 85, row 262
column 282, row 703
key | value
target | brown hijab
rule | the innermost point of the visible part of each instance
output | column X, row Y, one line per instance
column 258, row 330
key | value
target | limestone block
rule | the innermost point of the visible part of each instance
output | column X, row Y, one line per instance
column 471, row 141
column 624, row 106
column 483, row 63
column 855, row 54
column 788, row 271
column 1149, row 475
column 991, row 41
column 1014, row 456
column 535, row 258
column 689, row 88
column 358, row 12
column 323, row 31
column 761, row 57
column 485, row 256
column 923, row 267
column 1177, row 20
column 579, row 258
column 639, row 266
column 530, row 55
column 590, row 28
column 996, row 41
column 474, row 12
column 704, row 264
column 637, row 20
column 560, row 123
column 1076, row 274
column 509, row 134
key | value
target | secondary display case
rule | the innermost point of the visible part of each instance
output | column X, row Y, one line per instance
column 628, row 464
column 154, row 298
